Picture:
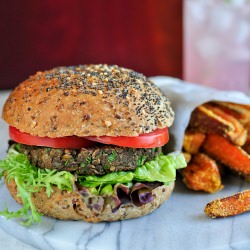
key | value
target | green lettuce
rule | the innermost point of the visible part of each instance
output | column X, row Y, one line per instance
column 162, row 169
column 30, row 179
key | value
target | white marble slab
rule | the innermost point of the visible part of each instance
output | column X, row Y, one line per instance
column 178, row 224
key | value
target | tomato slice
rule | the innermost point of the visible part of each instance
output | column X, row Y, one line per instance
column 157, row 138
column 71, row 142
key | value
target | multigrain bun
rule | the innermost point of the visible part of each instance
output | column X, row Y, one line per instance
column 87, row 100
column 60, row 205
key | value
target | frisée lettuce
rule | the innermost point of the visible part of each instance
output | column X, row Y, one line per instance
column 30, row 179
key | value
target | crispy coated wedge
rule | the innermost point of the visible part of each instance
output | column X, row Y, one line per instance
column 202, row 174
column 209, row 118
column 240, row 111
column 219, row 148
column 247, row 127
column 229, row 206
column 193, row 141
column 246, row 148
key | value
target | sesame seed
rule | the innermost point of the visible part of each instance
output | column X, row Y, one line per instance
column 108, row 123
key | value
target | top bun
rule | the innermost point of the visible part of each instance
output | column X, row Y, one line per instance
column 87, row 100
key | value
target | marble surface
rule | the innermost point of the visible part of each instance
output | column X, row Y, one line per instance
column 178, row 224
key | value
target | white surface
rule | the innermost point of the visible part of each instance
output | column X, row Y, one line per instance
column 178, row 224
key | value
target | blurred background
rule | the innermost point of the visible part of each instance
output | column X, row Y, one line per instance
column 144, row 35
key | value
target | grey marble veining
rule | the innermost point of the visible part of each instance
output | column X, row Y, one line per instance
column 178, row 224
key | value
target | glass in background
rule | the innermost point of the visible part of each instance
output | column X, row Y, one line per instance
column 217, row 43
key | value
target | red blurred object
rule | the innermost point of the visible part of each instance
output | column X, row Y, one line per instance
column 37, row 35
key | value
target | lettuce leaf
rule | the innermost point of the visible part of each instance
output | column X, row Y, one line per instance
column 110, row 178
column 161, row 169
column 30, row 179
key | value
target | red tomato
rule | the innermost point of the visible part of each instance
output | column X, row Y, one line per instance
column 157, row 138
column 72, row 142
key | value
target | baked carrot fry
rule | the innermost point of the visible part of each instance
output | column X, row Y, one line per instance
column 246, row 148
column 229, row 206
column 208, row 118
column 239, row 111
column 193, row 141
column 247, row 127
column 202, row 174
column 227, row 153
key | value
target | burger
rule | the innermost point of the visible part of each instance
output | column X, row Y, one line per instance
column 86, row 144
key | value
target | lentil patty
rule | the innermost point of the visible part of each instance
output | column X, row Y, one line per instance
column 91, row 161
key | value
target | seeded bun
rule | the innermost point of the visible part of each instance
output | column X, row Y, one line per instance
column 87, row 100
column 60, row 205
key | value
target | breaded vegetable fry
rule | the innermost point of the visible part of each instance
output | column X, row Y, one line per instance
column 193, row 141
column 229, row 206
column 208, row 118
column 202, row 174
column 247, row 127
column 239, row 111
column 246, row 148
column 216, row 141
column 219, row 148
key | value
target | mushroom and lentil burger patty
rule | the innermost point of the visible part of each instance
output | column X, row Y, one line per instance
column 86, row 145
column 89, row 161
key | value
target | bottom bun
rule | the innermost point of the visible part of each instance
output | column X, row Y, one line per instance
column 68, row 205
